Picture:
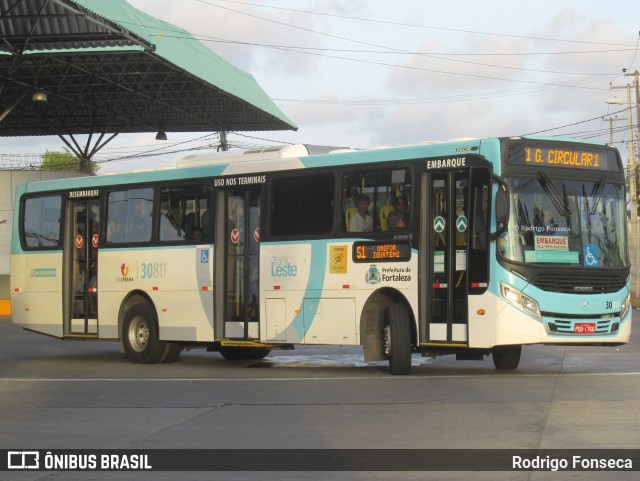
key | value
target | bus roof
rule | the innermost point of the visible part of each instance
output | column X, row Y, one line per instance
column 258, row 153
column 290, row 157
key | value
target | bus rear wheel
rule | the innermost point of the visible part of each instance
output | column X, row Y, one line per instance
column 172, row 352
column 398, row 339
column 140, row 336
column 506, row 357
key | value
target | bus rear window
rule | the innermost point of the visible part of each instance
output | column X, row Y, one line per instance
column 41, row 222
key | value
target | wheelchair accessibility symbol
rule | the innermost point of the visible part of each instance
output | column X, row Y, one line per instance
column 204, row 256
column 591, row 255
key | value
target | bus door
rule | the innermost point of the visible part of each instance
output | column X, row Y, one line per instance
column 446, row 235
column 82, row 265
column 239, row 230
column 455, row 237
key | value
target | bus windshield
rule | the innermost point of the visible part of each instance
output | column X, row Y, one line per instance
column 578, row 223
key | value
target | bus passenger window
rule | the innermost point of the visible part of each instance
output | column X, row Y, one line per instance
column 41, row 221
column 376, row 200
column 302, row 204
column 184, row 213
column 129, row 216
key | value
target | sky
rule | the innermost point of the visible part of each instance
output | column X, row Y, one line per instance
column 365, row 73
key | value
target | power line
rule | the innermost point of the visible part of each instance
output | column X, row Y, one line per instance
column 571, row 125
column 156, row 152
column 534, row 86
column 390, row 51
column 636, row 50
column 434, row 99
column 179, row 33
column 152, row 152
column 431, row 27
column 308, row 51
column 486, row 77
column 339, row 37
column 261, row 138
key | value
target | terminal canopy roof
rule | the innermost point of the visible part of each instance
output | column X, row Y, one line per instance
column 107, row 67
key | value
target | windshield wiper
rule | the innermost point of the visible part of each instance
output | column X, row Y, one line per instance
column 558, row 200
column 588, row 210
column 596, row 194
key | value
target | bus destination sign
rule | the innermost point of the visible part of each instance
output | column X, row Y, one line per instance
column 84, row 193
column 385, row 251
column 562, row 155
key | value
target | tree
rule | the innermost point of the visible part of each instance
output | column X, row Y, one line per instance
column 63, row 161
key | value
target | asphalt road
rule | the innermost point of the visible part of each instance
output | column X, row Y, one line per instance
column 84, row 395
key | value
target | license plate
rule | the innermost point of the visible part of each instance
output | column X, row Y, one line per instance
column 584, row 328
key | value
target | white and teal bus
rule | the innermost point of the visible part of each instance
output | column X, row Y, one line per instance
column 473, row 247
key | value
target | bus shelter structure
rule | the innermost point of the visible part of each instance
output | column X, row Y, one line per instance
column 101, row 68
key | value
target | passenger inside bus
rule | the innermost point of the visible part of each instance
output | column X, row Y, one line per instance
column 171, row 224
column 196, row 234
column 398, row 219
column 350, row 201
column 360, row 220
column 204, row 223
column 190, row 224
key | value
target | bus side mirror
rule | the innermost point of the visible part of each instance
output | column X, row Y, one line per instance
column 502, row 208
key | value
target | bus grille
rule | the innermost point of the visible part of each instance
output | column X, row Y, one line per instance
column 585, row 283
column 567, row 327
column 603, row 326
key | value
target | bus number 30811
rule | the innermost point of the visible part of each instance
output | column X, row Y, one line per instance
column 613, row 305
column 153, row 270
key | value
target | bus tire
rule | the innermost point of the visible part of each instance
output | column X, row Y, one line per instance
column 244, row 353
column 172, row 352
column 140, row 336
column 398, row 339
column 506, row 357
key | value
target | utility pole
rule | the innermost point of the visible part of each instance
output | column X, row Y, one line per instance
column 632, row 154
column 637, row 86
column 611, row 120
column 224, row 144
column 634, row 226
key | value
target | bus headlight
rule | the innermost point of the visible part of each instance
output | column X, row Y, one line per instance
column 523, row 302
column 626, row 305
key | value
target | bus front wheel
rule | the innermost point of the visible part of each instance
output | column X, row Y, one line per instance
column 397, row 338
column 140, row 336
column 506, row 357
